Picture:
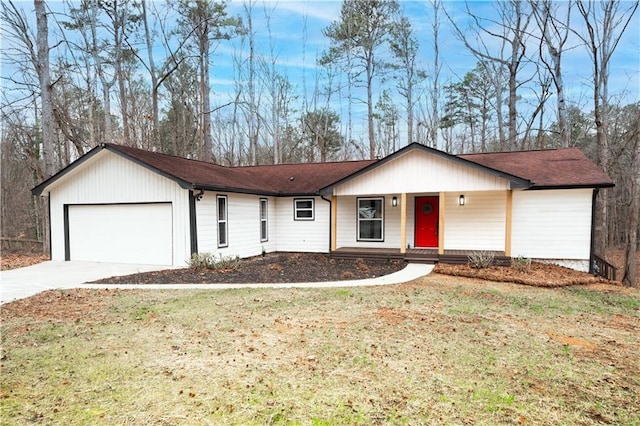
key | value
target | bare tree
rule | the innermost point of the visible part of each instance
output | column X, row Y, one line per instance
column 554, row 35
column 629, row 276
column 42, row 66
column 511, row 29
column 361, row 31
column 434, row 122
column 404, row 48
column 605, row 22
column 206, row 22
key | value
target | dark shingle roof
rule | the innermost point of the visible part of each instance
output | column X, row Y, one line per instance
column 556, row 168
column 560, row 168
column 282, row 179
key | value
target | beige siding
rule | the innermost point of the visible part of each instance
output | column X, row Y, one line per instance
column 108, row 178
column 479, row 224
column 302, row 235
column 421, row 172
column 552, row 224
column 243, row 225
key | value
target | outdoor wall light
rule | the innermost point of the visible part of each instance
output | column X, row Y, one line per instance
column 394, row 201
column 461, row 200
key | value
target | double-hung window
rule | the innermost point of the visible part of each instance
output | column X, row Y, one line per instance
column 370, row 219
column 303, row 209
column 264, row 225
column 223, row 223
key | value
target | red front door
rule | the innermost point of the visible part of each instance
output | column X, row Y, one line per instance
column 426, row 222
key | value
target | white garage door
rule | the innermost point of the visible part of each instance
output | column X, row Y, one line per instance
column 121, row 233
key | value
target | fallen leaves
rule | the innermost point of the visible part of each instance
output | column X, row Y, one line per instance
column 20, row 260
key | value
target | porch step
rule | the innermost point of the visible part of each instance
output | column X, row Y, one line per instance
column 366, row 255
column 428, row 259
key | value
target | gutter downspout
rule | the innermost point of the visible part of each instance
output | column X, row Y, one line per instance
column 193, row 227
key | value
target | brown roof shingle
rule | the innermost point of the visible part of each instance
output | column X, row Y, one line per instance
column 557, row 168
column 282, row 179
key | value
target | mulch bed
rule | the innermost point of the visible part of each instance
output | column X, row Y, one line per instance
column 538, row 274
column 272, row 268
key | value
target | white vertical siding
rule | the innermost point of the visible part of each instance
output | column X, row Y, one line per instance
column 552, row 224
column 243, row 225
column 303, row 235
column 421, row 172
column 108, row 179
column 479, row 224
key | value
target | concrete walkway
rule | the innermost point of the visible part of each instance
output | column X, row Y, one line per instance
column 26, row 282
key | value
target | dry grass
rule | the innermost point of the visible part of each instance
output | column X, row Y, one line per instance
column 440, row 350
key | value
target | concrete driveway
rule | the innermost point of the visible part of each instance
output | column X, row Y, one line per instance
column 25, row 282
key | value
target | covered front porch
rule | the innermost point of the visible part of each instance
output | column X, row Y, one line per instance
column 422, row 227
column 415, row 255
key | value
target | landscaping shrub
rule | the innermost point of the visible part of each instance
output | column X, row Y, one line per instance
column 521, row 263
column 481, row 259
column 211, row 261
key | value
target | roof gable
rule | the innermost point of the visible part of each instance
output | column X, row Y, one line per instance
column 284, row 179
column 441, row 160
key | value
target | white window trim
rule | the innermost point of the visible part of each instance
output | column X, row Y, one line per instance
column 296, row 209
column 224, row 221
column 380, row 219
column 264, row 207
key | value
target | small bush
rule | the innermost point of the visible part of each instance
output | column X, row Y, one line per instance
column 521, row 263
column 481, row 259
column 211, row 261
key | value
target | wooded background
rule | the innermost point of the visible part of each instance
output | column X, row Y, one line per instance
column 138, row 73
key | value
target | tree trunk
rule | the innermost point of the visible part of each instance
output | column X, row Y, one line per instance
column 44, row 77
column 372, row 142
column 629, row 275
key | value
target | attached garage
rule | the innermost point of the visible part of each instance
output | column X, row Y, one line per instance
column 120, row 233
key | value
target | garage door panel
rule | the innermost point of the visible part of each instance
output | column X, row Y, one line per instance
column 121, row 233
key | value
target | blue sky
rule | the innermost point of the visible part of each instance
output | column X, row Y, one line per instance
column 296, row 41
column 296, row 32
column 289, row 18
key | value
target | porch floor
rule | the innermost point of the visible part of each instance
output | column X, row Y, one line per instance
column 414, row 255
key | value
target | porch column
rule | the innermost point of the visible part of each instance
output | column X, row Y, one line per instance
column 441, row 223
column 403, row 223
column 508, row 221
column 334, row 222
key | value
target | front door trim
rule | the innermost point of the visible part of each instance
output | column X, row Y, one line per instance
column 426, row 221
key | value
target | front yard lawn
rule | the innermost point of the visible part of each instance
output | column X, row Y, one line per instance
column 439, row 350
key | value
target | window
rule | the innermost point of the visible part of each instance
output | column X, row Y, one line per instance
column 303, row 209
column 264, row 236
column 370, row 219
column 223, row 235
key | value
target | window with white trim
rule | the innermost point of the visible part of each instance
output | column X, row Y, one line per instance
column 370, row 219
column 303, row 209
column 223, row 224
column 264, row 225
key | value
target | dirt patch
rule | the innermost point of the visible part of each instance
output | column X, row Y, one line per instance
column 20, row 260
column 538, row 275
column 272, row 268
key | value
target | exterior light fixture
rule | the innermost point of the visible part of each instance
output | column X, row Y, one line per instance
column 461, row 200
column 394, row 201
